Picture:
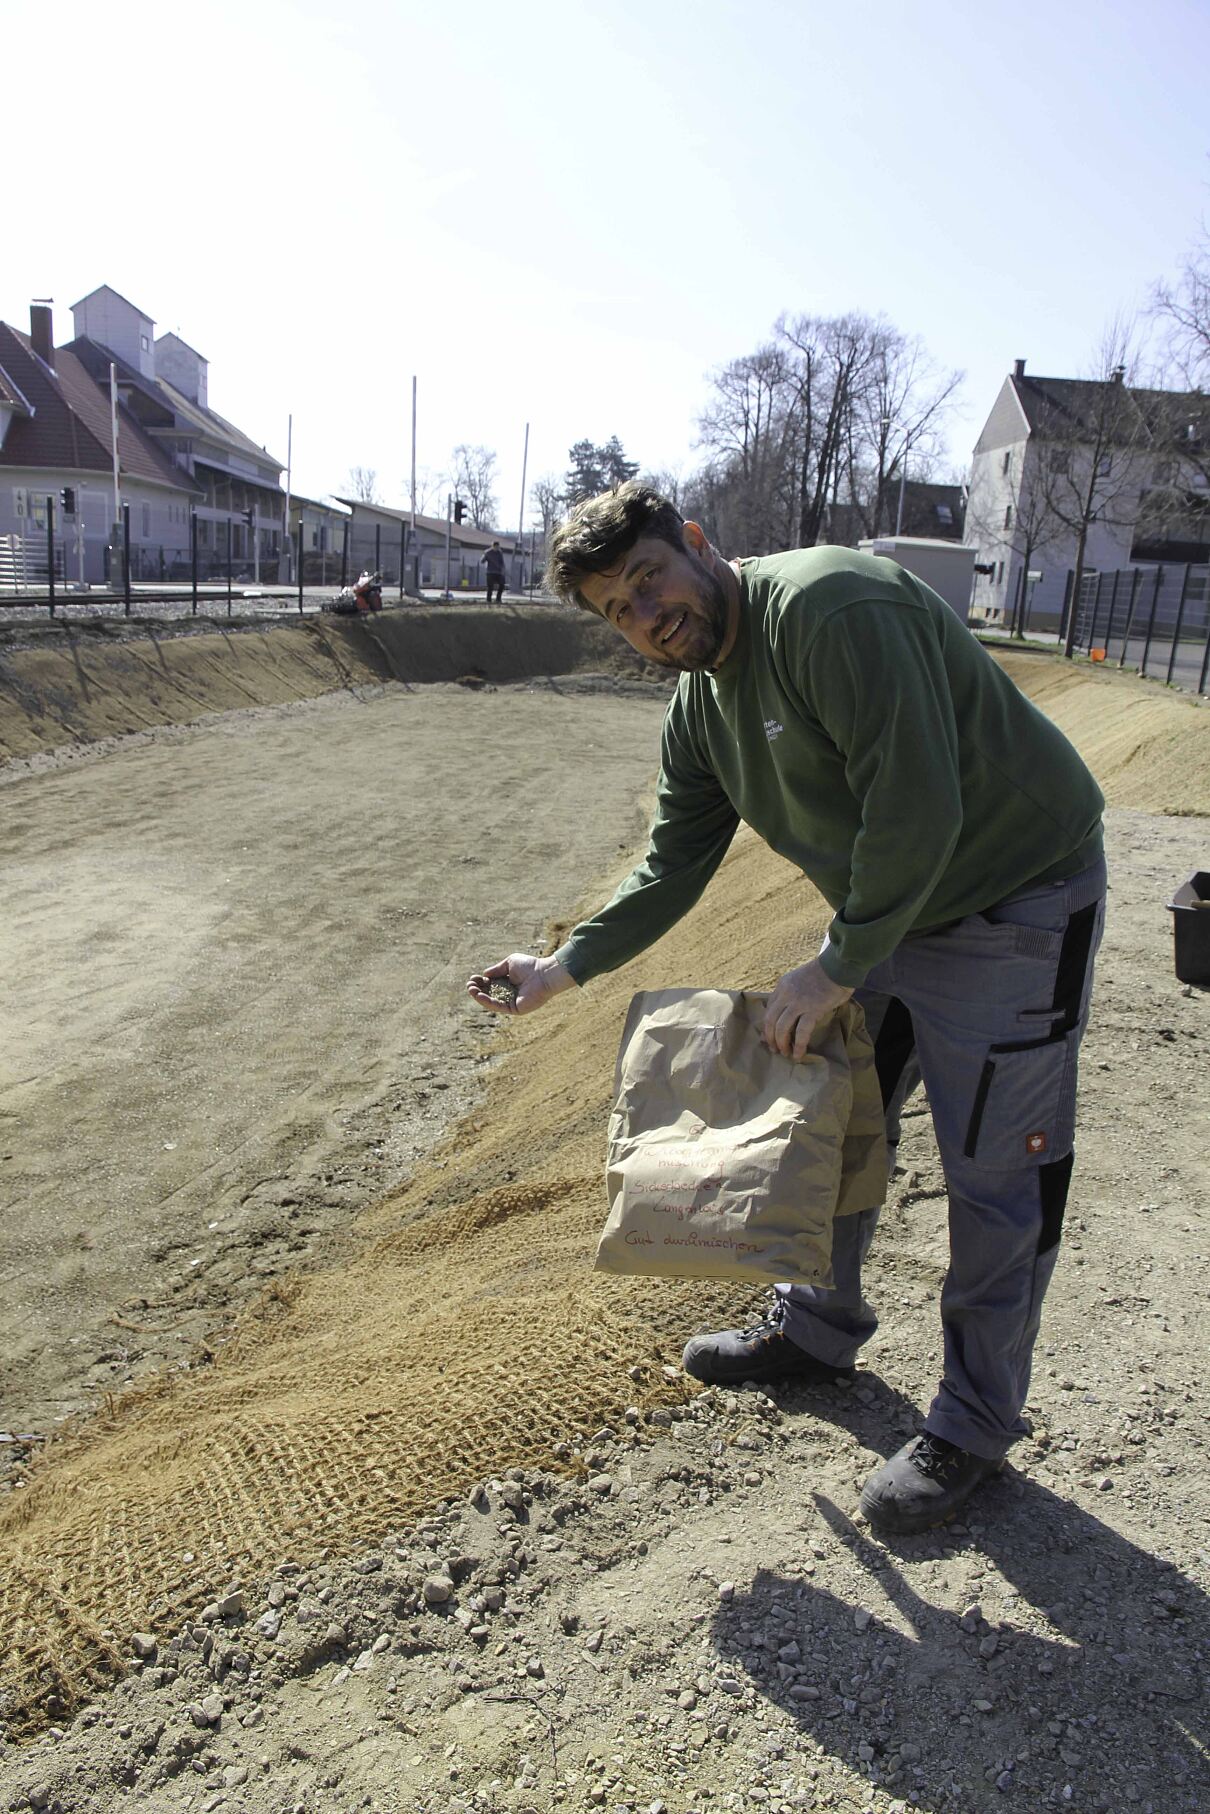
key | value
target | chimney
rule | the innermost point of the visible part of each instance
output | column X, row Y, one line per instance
column 1018, row 368
column 1117, row 375
column 41, row 330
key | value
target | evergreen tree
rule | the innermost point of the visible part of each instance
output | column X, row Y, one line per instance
column 618, row 469
column 586, row 474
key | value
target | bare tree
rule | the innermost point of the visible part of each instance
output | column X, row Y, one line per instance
column 473, row 476
column 1177, row 506
column 1183, row 312
column 363, row 483
column 546, row 504
column 821, row 417
column 430, row 488
column 898, row 414
column 745, row 428
column 1094, row 442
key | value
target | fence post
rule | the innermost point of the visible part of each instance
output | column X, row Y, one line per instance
column 1113, row 599
column 1155, row 595
column 50, row 550
column 126, row 558
column 1096, row 611
column 1068, row 605
column 228, row 565
column 1176, row 628
column 193, row 557
column 1201, row 679
column 300, row 571
column 1134, row 592
column 344, row 557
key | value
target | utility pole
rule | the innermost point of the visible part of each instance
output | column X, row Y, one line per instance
column 521, row 518
column 287, row 543
column 449, row 517
column 413, row 456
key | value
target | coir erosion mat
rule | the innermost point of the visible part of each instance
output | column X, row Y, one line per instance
column 469, row 1333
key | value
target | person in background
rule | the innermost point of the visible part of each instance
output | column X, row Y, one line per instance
column 495, row 572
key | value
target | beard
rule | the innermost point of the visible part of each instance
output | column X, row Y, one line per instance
column 705, row 632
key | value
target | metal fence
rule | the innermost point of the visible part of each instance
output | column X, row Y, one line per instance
column 1156, row 619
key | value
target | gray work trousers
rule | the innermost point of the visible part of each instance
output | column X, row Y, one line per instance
column 989, row 1013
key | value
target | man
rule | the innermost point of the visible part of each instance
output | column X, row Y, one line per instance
column 495, row 572
column 837, row 705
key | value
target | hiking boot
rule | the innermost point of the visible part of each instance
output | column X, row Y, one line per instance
column 924, row 1484
column 764, row 1352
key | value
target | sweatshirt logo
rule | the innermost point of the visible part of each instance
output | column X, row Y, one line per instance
column 773, row 728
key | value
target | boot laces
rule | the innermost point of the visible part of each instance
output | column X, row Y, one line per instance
column 772, row 1321
column 934, row 1457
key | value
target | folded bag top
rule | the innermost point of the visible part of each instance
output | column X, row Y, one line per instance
column 727, row 1160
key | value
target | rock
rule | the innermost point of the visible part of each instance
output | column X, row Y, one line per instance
column 336, row 1634
column 861, row 1618
column 593, row 1641
column 661, row 1418
column 212, row 1707
column 989, row 1645
column 235, row 1775
column 37, row 1797
column 601, row 1483
column 231, row 1604
column 726, row 1590
column 277, row 1594
column 341, row 1676
column 210, row 1613
column 381, row 1642
column 269, row 1624
column 533, row 1666
column 438, row 1589
column 143, row 1645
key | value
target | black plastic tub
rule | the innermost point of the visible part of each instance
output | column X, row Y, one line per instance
column 1190, row 909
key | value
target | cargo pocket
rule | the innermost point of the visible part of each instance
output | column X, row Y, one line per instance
column 1023, row 1112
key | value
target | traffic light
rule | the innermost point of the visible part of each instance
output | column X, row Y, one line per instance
column 67, row 500
column 248, row 517
column 459, row 510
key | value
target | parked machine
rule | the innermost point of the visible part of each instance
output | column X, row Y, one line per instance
column 366, row 595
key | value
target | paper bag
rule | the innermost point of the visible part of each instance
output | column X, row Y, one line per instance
column 726, row 1160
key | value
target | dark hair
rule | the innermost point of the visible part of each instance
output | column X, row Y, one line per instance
column 600, row 532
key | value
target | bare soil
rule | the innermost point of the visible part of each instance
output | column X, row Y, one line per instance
column 318, row 1235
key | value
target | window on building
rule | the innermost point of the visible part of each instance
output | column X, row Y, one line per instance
column 999, row 571
column 945, row 516
column 1059, row 459
column 1008, row 516
column 145, row 343
column 146, row 513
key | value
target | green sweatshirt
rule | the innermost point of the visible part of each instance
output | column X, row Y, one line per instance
column 866, row 735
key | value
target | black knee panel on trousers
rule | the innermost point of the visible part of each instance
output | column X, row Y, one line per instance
column 1054, row 1181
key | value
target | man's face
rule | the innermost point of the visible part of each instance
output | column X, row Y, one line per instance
column 666, row 602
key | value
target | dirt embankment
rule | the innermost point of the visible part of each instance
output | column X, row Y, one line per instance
column 71, row 684
column 719, row 1633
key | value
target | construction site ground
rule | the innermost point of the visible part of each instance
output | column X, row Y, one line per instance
column 332, row 1476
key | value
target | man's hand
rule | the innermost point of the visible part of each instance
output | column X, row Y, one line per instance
column 800, row 1001
column 535, row 979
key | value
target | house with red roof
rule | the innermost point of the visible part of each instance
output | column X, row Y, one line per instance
column 175, row 455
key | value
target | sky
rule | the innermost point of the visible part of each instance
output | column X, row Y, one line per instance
column 569, row 214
